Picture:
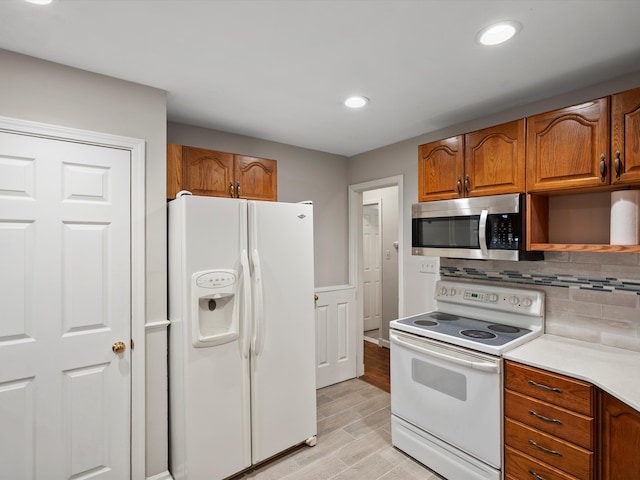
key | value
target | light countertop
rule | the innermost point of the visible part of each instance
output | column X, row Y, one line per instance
column 614, row 370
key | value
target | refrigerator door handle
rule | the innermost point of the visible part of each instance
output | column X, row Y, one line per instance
column 258, row 306
column 246, row 303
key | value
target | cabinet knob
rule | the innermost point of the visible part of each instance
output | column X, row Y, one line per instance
column 237, row 189
column 617, row 164
column 466, row 184
column 459, row 186
column 231, row 191
column 603, row 168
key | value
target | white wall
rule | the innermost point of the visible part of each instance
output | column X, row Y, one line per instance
column 303, row 174
column 40, row 91
column 402, row 159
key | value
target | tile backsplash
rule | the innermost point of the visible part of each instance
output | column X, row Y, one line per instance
column 593, row 297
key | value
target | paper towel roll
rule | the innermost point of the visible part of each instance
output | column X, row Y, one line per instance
column 625, row 217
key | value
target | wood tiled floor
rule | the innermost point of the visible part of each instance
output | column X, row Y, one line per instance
column 354, row 442
column 376, row 366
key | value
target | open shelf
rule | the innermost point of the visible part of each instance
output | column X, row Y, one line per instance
column 584, row 247
column 571, row 223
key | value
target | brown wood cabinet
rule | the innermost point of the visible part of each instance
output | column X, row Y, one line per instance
column 561, row 159
column 569, row 148
column 582, row 147
column 625, row 137
column 441, row 169
column 549, row 425
column 494, row 160
column 619, row 446
column 220, row 174
column 490, row 161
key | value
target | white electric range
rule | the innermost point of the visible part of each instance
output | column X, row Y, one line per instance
column 446, row 375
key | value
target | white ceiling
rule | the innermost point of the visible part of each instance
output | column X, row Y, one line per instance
column 279, row 70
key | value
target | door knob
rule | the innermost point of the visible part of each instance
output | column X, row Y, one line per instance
column 118, row 347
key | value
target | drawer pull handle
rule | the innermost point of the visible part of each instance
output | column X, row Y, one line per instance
column 546, row 419
column 535, row 475
column 544, row 387
column 545, row 450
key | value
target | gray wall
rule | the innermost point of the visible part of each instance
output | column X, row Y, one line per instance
column 303, row 174
column 401, row 159
column 40, row 91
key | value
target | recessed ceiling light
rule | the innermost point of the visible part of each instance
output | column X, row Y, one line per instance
column 357, row 101
column 39, row 2
column 498, row 32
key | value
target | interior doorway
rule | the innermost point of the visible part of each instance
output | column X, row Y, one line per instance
column 387, row 194
column 371, row 270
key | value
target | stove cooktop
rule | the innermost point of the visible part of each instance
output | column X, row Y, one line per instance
column 486, row 318
column 480, row 331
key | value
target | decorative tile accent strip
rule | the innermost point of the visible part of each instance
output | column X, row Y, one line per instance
column 607, row 284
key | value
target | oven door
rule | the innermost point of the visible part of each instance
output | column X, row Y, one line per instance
column 452, row 393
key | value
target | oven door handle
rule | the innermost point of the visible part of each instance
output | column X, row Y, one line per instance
column 476, row 365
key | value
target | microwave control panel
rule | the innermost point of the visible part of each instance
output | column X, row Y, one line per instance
column 503, row 231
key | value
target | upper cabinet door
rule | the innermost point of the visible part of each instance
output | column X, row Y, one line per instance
column 200, row 171
column 441, row 169
column 568, row 148
column 494, row 160
column 625, row 137
column 256, row 178
column 207, row 172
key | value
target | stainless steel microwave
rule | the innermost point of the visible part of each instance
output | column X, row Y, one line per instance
column 486, row 228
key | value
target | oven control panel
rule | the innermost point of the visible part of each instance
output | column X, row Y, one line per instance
column 526, row 302
column 478, row 296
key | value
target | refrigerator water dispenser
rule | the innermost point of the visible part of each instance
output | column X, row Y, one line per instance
column 214, row 314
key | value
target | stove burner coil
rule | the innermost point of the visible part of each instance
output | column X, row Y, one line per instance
column 444, row 316
column 503, row 328
column 425, row 323
column 481, row 334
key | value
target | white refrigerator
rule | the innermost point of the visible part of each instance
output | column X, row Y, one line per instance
column 242, row 334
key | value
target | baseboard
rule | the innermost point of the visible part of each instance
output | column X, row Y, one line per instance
column 161, row 476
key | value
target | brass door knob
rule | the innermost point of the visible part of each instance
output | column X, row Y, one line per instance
column 118, row 347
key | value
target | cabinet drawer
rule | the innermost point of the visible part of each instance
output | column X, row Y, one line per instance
column 520, row 466
column 570, row 426
column 550, row 450
column 552, row 388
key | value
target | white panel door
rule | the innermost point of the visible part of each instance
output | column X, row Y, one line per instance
column 64, row 301
column 372, row 273
column 335, row 336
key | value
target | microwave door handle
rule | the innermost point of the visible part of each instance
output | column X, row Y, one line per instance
column 482, row 233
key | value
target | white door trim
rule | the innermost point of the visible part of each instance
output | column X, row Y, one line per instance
column 138, row 156
column 355, row 250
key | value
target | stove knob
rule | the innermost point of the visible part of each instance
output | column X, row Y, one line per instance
column 493, row 297
column 453, row 292
column 513, row 300
column 527, row 302
column 443, row 291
